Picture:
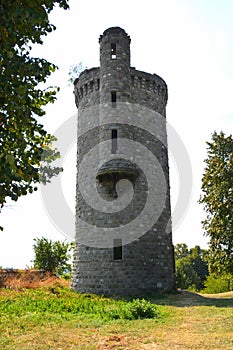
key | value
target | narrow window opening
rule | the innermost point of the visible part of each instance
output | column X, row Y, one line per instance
column 91, row 85
column 140, row 81
column 132, row 79
column 114, row 98
column 117, row 249
column 98, row 84
column 113, row 51
column 114, row 141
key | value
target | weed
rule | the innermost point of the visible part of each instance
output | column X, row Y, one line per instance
column 139, row 309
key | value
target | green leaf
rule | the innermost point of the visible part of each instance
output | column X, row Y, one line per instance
column 22, row 138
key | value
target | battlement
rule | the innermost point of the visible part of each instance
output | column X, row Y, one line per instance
column 87, row 86
column 149, row 89
column 116, row 79
column 149, row 83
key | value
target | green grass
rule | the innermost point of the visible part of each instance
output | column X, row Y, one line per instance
column 57, row 318
column 60, row 302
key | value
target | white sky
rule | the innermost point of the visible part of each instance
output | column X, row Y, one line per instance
column 189, row 44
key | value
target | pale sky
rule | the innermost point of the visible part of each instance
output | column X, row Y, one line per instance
column 189, row 44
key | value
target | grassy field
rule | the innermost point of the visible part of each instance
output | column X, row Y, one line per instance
column 56, row 318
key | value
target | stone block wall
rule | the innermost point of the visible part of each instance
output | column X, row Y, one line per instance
column 146, row 261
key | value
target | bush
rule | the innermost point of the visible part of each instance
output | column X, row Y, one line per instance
column 218, row 284
column 139, row 309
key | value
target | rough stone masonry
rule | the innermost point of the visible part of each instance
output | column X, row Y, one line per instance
column 123, row 216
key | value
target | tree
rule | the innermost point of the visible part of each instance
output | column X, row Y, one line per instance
column 23, row 140
column 52, row 256
column 217, row 198
column 191, row 267
column 181, row 250
column 200, row 265
column 186, row 276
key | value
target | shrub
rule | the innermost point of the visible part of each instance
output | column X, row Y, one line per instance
column 139, row 309
column 218, row 284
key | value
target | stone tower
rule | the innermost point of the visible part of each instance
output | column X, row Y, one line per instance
column 123, row 217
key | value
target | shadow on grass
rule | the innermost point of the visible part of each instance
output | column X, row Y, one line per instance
column 180, row 298
column 186, row 298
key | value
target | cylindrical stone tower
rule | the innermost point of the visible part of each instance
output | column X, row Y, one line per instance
column 123, row 217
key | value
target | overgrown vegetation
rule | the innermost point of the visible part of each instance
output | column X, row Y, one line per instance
column 57, row 318
column 60, row 302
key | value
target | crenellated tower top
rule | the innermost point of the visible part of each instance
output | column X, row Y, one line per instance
column 116, row 81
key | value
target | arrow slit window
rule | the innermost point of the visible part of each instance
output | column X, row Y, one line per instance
column 114, row 141
column 117, row 249
column 113, row 51
column 113, row 98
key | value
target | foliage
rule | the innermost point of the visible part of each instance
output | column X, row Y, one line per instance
column 218, row 284
column 75, row 71
column 52, row 256
column 217, row 198
column 23, row 140
column 181, row 250
column 63, row 302
column 191, row 267
column 186, row 276
column 139, row 309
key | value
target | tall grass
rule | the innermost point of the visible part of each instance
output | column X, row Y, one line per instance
column 65, row 303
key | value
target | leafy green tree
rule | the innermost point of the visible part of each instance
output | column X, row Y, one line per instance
column 191, row 267
column 181, row 250
column 52, row 256
column 23, row 140
column 200, row 265
column 217, row 198
column 186, row 277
